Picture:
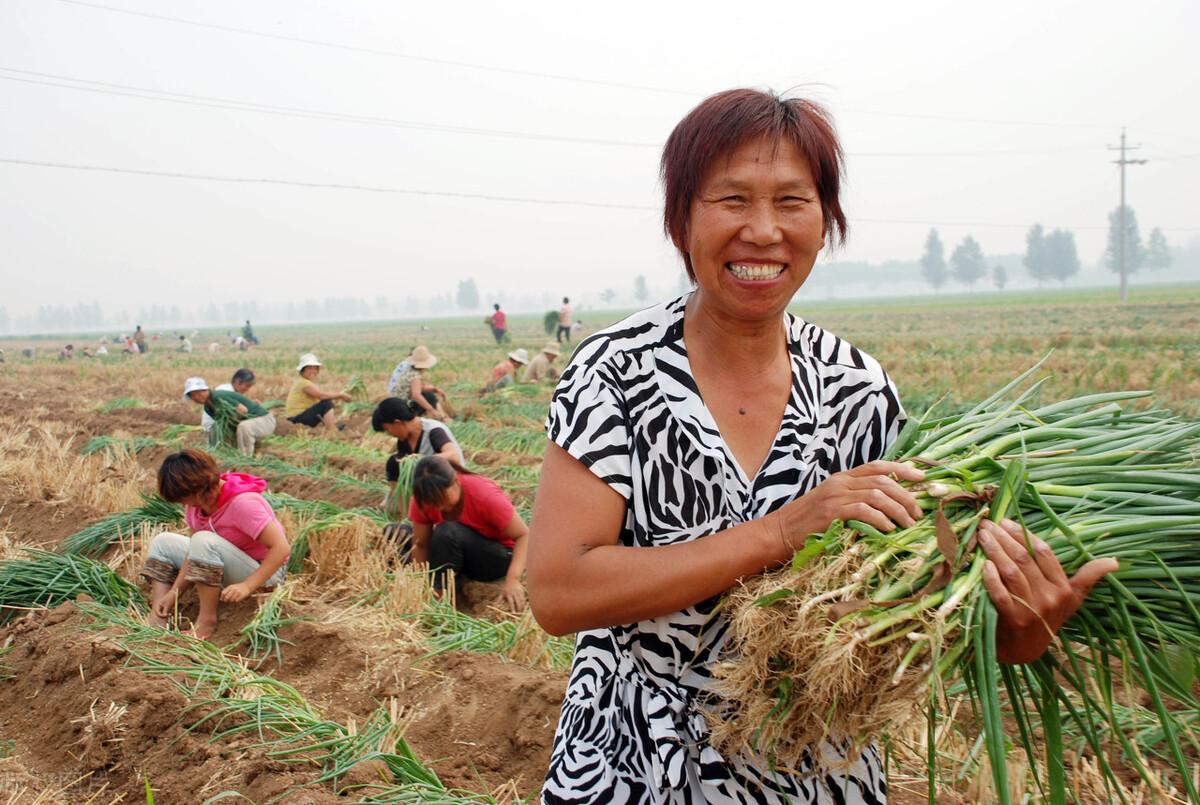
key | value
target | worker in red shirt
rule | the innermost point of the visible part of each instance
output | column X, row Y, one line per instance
column 465, row 523
column 499, row 323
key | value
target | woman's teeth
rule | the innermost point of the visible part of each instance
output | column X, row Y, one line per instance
column 755, row 271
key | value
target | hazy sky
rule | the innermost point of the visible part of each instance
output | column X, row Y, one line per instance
column 1017, row 103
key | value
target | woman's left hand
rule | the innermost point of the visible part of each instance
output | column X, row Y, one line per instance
column 235, row 592
column 1031, row 591
column 513, row 595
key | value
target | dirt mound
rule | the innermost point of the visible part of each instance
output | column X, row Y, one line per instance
column 43, row 524
column 73, row 711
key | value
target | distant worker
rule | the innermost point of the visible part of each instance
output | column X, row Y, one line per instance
column 542, row 365
column 185, row 344
column 564, row 321
column 102, row 350
column 307, row 404
column 464, row 523
column 499, row 324
column 131, row 346
column 139, row 338
column 248, row 334
column 505, row 372
column 408, row 383
column 67, row 352
column 254, row 421
column 237, row 544
column 29, row 352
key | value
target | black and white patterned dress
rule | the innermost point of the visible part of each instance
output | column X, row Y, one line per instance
column 628, row 409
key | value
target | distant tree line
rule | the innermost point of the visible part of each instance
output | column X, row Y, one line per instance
column 1049, row 256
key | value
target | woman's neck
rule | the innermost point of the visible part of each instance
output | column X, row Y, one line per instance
column 721, row 341
column 210, row 505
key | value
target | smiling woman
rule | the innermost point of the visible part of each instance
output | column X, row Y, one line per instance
column 697, row 443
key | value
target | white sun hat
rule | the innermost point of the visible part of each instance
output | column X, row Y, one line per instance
column 193, row 384
column 519, row 355
column 307, row 359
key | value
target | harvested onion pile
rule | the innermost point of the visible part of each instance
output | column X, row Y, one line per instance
column 864, row 629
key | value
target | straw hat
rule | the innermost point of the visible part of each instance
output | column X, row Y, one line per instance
column 552, row 350
column 193, row 384
column 422, row 358
column 519, row 356
column 307, row 359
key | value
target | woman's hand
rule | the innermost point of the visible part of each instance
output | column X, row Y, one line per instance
column 870, row 493
column 1031, row 591
column 236, row 592
column 513, row 595
column 165, row 606
column 344, row 397
column 241, row 409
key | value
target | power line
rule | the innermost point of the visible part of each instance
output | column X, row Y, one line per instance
column 380, row 51
column 216, row 102
column 491, row 68
column 476, row 196
column 305, row 113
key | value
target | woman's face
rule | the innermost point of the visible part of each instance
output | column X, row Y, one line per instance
column 310, row 372
column 199, row 396
column 755, row 230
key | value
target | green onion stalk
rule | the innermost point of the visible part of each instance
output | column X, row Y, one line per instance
column 862, row 629
column 94, row 540
column 42, row 580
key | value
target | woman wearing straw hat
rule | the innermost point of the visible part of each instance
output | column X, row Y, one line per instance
column 307, row 404
column 408, row 383
column 540, row 367
column 505, row 372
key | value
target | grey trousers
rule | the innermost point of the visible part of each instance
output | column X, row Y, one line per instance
column 212, row 560
column 249, row 430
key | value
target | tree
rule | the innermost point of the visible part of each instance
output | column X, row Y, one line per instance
column 468, row 295
column 999, row 277
column 1158, row 253
column 640, row 290
column 608, row 295
column 1062, row 259
column 1135, row 254
column 967, row 262
column 1035, row 254
column 933, row 261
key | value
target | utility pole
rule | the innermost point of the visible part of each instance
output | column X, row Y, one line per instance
column 1122, row 162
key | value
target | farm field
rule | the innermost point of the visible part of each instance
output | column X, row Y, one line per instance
column 353, row 680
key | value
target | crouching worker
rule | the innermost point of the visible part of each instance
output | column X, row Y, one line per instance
column 306, row 403
column 237, row 544
column 253, row 421
column 465, row 523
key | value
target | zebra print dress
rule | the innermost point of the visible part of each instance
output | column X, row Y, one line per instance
column 631, row 728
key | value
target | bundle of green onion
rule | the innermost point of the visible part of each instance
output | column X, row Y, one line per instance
column 44, row 580
column 862, row 628
column 94, row 539
column 357, row 389
column 225, row 423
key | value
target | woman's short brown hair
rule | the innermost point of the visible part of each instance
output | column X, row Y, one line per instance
column 728, row 119
column 187, row 473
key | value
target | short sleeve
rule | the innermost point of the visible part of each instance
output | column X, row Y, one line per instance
column 438, row 438
column 589, row 419
column 251, row 513
column 872, row 423
column 499, row 509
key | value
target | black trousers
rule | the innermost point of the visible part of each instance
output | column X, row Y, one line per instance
column 454, row 546
column 311, row 416
column 563, row 332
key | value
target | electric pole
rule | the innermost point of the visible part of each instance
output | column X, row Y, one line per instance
column 1122, row 162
